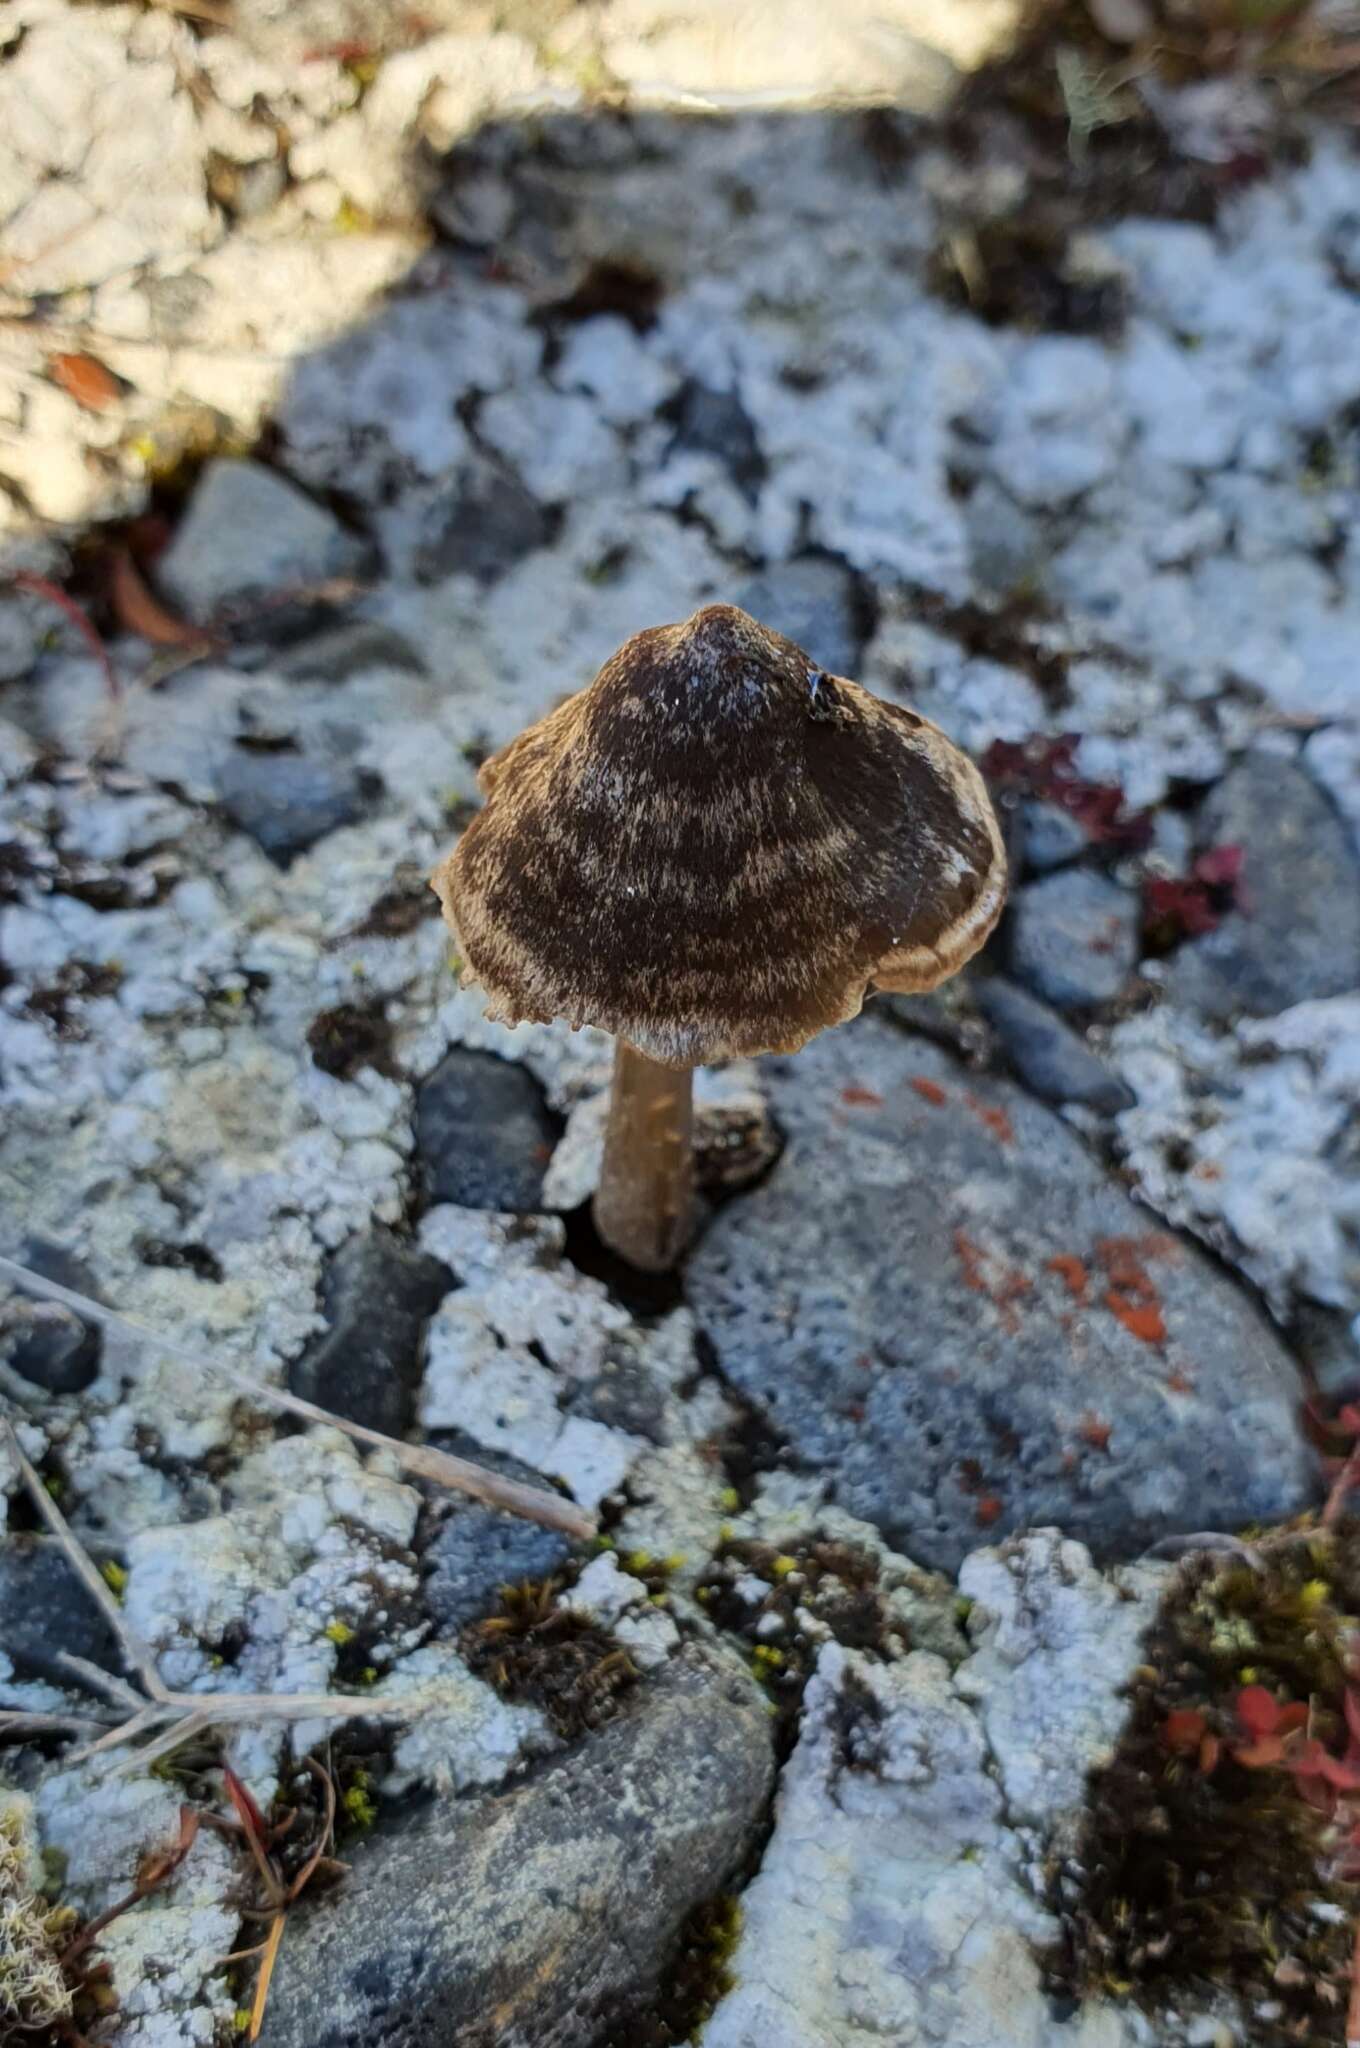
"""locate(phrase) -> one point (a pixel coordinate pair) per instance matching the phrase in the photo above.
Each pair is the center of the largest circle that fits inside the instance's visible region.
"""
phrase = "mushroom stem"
(643, 1203)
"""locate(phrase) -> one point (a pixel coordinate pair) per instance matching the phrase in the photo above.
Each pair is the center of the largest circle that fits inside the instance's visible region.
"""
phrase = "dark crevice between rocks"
(1192, 1872)
(1010, 632)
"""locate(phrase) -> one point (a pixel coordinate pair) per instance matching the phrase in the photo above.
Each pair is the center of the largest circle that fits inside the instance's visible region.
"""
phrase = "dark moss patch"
(697, 1975)
(400, 908)
(1020, 272)
(1194, 1874)
(541, 1654)
(179, 1258)
(836, 1582)
(350, 1037)
(75, 982)
(628, 290)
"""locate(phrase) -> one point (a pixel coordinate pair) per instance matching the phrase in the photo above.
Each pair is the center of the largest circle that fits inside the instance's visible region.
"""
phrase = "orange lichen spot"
(970, 1258)
(992, 1118)
(1095, 1431)
(1208, 1169)
(1072, 1272)
(1142, 1319)
(989, 1509)
(861, 1098)
(85, 379)
(1178, 1382)
(929, 1091)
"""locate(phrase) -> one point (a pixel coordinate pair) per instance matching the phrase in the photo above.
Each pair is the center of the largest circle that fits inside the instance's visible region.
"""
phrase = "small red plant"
(1045, 768)
(1188, 906)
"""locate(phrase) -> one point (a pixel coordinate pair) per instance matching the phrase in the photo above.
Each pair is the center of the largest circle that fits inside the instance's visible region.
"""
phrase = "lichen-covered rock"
(944, 1305)
(894, 1899)
(377, 1296)
(545, 1904)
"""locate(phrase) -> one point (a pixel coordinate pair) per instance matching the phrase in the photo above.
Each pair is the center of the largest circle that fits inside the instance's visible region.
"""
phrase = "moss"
(696, 1976)
(835, 1582)
(535, 1651)
(1193, 1873)
(35, 1997)
(114, 1576)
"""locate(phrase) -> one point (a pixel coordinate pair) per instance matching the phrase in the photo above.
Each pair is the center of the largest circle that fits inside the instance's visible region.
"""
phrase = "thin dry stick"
(187, 1713)
(530, 1502)
(137, 1653)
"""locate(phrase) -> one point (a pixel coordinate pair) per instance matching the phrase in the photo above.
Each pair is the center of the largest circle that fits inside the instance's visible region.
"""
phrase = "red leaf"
(137, 611)
(1336, 1771)
(1210, 1750)
(861, 1098)
(1257, 1710)
(929, 1091)
(1220, 867)
(1256, 1755)
(247, 1812)
(1295, 1715)
(1184, 1729)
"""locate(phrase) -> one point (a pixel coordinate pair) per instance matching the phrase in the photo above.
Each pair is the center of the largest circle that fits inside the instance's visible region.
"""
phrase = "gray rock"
(1298, 934)
(490, 523)
(717, 423)
(1051, 837)
(484, 1133)
(942, 1303)
(44, 1609)
(287, 801)
(1052, 1060)
(49, 1346)
(523, 1919)
(478, 1551)
(811, 601)
(1074, 937)
(377, 1294)
(248, 532)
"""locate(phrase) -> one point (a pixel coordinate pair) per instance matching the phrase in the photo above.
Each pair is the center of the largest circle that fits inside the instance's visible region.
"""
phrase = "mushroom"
(714, 850)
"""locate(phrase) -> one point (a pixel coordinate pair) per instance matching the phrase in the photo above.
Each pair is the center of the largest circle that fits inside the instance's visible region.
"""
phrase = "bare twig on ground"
(173, 1717)
(532, 1503)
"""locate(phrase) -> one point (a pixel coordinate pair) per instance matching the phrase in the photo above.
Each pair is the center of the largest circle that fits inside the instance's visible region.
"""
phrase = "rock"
(811, 600)
(490, 523)
(717, 423)
(49, 1346)
(1052, 1060)
(893, 1902)
(546, 1906)
(248, 533)
(484, 1133)
(377, 1294)
(478, 1551)
(943, 1305)
(287, 801)
(1297, 935)
(44, 1609)
(1051, 837)
(1074, 937)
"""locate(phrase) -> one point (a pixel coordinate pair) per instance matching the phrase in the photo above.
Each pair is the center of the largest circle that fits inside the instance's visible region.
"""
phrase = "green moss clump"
(1193, 1873)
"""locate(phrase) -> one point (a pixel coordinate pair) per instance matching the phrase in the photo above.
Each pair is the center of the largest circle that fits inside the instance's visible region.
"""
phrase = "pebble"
(1074, 937)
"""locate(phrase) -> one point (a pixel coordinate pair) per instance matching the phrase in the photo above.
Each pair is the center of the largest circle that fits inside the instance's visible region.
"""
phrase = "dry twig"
(533, 1503)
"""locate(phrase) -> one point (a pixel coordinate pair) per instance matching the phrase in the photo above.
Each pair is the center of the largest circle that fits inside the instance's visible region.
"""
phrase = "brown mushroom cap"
(716, 850)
